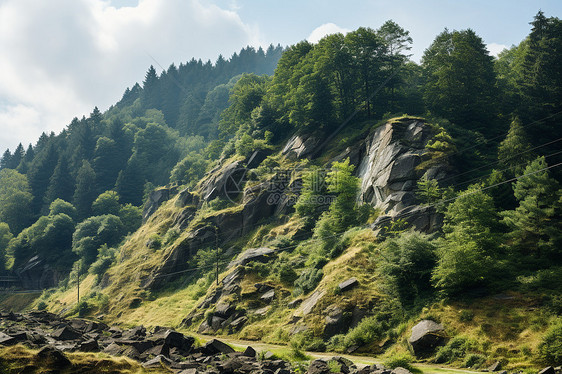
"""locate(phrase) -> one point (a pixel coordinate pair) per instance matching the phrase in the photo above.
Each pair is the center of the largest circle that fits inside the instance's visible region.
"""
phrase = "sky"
(60, 58)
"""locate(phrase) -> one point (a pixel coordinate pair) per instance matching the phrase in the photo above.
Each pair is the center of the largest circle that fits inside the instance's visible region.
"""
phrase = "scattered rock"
(157, 362)
(547, 370)
(215, 346)
(262, 254)
(426, 335)
(249, 352)
(66, 333)
(309, 304)
(319, 367)
(51, 358)
(268, 296)
(496, 366)
(400, 370)
(348, 284)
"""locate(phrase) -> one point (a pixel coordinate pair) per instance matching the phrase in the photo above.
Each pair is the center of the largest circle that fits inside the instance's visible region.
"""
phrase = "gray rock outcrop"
(389, 173)
(426, 336)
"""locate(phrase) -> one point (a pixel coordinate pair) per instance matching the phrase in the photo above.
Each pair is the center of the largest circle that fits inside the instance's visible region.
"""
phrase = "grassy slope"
(500, 328)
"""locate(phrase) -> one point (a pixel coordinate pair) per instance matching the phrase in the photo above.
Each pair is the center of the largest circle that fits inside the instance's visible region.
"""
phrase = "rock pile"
(161, 348)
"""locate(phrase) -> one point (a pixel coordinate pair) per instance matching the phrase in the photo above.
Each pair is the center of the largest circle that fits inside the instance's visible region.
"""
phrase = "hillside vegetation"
(328, 196)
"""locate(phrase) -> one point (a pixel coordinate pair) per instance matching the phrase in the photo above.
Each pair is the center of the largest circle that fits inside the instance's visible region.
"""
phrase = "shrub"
(41, 305)
(407, 262)
(474, 361)
(466, 316)
(550, 348)
(402, 360)
(287, 274)
(306, 341)
(455, 349)
(370, 329)
(308, 280)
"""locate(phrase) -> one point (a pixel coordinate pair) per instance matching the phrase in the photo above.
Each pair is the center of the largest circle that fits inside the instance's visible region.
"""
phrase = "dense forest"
(73, 198)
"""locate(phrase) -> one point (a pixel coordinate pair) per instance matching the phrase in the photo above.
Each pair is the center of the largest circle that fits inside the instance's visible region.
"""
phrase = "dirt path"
(360, 361)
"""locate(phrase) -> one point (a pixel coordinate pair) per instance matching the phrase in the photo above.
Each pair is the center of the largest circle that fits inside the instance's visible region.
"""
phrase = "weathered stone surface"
(388, 170)
(7, 339)
(262, 254)
(225, 309)
(89, 346)
(337, 321)
(185, 197)
(268, 296)
(51, 358)
(309, 304)
(400, 370)
(300, 146)
(496, 366)
(319, 367)
(36, 274)
(155, 199)
(249, 352)
(348, 284)
(426, 335)
(224, 181)
(215, 346)
(66, 333)
(157, 362)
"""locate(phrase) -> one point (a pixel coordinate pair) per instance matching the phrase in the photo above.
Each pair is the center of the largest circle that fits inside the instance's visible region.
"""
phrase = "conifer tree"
(536, 226)
(85, 192)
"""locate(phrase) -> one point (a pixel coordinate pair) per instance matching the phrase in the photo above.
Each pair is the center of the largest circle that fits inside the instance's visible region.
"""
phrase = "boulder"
(319, 367)
(426, 336)
(400, 370)
(224, 181)
(348, 284)
(66, 333)
(7, 339)
(214, 346)
(268, 296)
(174, 339)
(89, 346)
(224, 309)
(51, 358)
(337, 321)
(249, 352)
(309, 304)
(157, 363)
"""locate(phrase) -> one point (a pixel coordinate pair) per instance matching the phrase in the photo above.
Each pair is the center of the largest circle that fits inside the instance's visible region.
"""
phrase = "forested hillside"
(326, 195)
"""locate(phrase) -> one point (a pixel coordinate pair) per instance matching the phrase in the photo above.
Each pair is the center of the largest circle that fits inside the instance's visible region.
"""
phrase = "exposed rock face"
(426, 335)
(155, 200)
(35, 274)
(388, 171)
(224, 182)
(300, 146)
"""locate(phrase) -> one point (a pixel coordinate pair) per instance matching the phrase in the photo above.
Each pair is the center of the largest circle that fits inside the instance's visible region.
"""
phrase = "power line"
(390, 218)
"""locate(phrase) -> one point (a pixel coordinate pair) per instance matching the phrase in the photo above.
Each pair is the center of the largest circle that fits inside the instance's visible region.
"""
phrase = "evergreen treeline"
(501, 114)
(128, 150)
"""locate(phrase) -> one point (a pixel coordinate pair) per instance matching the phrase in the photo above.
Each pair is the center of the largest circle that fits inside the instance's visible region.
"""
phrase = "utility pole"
(78, 286)
(217, 253)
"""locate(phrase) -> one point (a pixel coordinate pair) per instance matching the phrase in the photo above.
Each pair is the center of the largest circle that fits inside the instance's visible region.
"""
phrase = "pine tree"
(535, 224)
(150, 96)
(61, 184)
(39, 174)
(85, 192)
(515, 150)
(130, 183)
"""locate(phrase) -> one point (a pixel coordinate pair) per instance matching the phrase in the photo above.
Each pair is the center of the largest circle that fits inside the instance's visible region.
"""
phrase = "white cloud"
(325, 29)
(495, 48)
(63, 57)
